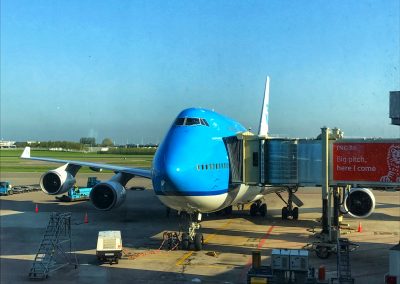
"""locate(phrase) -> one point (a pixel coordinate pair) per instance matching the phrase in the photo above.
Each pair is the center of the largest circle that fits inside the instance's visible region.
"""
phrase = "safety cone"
(359, 227)
(36, 209)
(86, 220)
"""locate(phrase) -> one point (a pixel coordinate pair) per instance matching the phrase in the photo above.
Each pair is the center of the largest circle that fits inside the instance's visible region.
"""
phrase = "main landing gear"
(258, 207)
(289, 210)
(190, 236)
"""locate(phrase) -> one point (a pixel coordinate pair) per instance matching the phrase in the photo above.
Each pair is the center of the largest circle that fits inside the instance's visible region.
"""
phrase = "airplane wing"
(129, 171)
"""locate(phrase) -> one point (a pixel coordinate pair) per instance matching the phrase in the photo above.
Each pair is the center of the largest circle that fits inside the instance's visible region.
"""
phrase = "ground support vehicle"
(109, 246)
(6, 188)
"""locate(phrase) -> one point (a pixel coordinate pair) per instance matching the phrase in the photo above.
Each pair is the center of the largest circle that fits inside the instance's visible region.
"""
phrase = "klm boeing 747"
(193, 171)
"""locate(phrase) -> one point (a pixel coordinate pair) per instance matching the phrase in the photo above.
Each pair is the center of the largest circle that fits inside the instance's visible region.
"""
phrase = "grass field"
(10, 161)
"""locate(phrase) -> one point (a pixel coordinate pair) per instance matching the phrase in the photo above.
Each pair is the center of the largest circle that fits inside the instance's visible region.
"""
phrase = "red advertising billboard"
(374, 162)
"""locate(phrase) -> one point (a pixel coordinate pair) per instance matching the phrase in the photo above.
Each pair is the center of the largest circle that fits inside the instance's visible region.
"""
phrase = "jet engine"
(57, 181)
(359, 202)
(107, 195)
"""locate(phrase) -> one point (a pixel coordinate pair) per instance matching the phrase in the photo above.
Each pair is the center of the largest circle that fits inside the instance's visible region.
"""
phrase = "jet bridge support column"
(325, 180)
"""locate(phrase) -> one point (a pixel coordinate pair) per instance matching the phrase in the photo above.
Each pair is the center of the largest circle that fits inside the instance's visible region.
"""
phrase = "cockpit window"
(179, 121)
(203, 121)
(191, 121)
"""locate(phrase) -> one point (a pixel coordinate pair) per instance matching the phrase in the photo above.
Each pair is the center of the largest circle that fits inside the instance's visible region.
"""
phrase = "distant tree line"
(89, 141)
(86, 142)
(52, 144)
(130, 151)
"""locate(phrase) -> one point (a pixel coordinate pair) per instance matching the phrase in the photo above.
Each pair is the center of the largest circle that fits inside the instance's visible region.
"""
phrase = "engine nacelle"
(107, 195)
(56, 181)
(359, 202)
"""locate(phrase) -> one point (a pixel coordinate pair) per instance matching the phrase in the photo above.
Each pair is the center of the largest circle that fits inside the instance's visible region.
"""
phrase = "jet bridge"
(258, 160)
(341, 167)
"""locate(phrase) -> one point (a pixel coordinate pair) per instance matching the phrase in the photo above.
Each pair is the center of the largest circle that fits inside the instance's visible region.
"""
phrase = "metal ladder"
(55, 250)
(343, 261)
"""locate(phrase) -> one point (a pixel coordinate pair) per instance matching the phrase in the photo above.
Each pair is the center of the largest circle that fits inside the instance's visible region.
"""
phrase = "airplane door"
(234, 147)
(251, 160)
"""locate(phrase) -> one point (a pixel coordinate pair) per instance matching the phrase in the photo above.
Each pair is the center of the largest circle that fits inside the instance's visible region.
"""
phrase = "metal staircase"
(343, 262)
(55, 250)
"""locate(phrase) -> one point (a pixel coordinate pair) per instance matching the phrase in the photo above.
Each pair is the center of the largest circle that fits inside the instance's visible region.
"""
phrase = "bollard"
(256, 258)
(321, 273)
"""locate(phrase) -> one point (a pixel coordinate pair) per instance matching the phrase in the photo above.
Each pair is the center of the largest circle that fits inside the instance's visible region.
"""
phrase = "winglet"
(264, 128)
(27, 153)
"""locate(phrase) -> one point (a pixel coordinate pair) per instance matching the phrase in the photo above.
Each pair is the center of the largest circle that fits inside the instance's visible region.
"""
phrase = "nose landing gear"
(190, 236)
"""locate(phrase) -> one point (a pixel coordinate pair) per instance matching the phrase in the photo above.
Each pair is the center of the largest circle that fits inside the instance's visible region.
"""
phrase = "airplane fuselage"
(191, 167)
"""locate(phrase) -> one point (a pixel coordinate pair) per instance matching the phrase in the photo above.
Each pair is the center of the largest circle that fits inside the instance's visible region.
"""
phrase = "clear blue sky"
(124, 69)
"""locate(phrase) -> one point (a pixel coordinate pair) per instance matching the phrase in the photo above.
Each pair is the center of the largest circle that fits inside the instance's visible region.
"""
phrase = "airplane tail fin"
(27, 153)
(264, 128)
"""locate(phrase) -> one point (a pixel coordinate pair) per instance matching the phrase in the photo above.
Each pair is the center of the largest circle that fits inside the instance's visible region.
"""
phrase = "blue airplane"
(192, 172)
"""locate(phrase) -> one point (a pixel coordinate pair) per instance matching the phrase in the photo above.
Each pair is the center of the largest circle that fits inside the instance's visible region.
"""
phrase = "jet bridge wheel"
(286, 213)
(322, 252)
(295, 213)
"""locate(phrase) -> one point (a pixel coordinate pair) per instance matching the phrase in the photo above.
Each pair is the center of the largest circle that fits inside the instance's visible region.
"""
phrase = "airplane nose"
(176, 172)
(176, 164)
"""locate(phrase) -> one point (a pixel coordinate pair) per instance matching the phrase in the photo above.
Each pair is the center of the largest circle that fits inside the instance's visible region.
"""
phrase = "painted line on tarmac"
(262, 241)
(180, 261)
(220, 228)
(259, 246)
(183, 258)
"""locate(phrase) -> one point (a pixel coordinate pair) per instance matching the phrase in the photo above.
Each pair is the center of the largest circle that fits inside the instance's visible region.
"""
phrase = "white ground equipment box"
(280, 259)
(109, 246)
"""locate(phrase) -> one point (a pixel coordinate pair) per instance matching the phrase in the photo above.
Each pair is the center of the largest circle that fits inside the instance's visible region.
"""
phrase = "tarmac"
(142, 220)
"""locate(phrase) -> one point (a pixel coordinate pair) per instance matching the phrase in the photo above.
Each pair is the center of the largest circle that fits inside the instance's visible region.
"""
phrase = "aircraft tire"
(198, 241)
(253, 209)
(285, 213)
(263, 209)
(185, 241)
(295, 213)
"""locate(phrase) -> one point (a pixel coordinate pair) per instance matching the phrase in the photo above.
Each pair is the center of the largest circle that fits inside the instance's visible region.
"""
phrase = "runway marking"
(180, 261)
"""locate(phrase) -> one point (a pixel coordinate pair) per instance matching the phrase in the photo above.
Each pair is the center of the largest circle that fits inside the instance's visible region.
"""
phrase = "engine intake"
(56, 181)
(107, 195)
(359, 202)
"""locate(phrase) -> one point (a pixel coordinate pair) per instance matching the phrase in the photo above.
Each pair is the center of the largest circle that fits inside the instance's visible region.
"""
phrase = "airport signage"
(370, 161)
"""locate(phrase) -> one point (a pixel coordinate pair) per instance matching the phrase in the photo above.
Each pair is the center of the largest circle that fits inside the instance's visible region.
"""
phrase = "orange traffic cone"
(359, 227)
(36, 209)
(86, 220)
